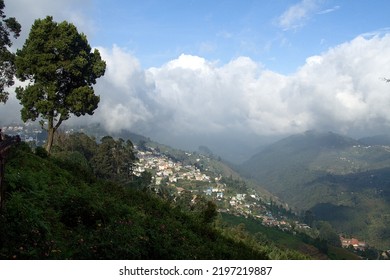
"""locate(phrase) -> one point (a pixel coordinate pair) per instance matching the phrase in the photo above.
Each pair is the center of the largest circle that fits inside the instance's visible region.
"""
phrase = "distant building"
(233, 201)
(355, 243)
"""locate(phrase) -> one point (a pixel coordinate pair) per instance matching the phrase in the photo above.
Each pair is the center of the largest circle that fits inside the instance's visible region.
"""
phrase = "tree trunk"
(50, 138)
(51, 129)
(2, 188)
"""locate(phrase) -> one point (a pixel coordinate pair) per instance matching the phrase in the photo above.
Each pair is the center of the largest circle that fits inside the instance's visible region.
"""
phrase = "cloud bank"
(190, 101)
(26, 12)
(339, 90)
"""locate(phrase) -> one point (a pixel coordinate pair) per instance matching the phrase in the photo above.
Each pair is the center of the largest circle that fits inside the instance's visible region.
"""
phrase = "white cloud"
(330, 10)
(26, 12)
(339, 90)
(124, 91)
(194, 99)
(345, 87)
(296, 15)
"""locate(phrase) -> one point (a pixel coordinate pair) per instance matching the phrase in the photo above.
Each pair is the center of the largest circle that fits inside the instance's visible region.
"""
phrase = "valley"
(293, 185)
(339, 179)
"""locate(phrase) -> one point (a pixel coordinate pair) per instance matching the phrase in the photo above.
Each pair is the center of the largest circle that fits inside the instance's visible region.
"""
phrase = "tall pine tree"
(62, 68)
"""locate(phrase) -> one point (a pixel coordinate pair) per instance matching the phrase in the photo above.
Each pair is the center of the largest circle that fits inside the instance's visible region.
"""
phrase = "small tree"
(113, 158)
(61, 68)
(7, 66)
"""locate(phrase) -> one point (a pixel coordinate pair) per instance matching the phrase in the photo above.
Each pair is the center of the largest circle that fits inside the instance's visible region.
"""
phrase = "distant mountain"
(381, 140)
(98, 131)
(338, 178)
(134, 137)
(288, 161)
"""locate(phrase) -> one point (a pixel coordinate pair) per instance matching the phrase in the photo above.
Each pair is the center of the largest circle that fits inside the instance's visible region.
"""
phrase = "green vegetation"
(289, 243)
(339, 179)
(7, 63)
(57, 207)
(61, 69)
(78, 198)
(211, 166)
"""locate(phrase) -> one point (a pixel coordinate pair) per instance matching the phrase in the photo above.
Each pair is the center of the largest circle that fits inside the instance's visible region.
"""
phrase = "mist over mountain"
(241, 113)
(337, 178)
(300, 159)
(382, 140)
(234, 107)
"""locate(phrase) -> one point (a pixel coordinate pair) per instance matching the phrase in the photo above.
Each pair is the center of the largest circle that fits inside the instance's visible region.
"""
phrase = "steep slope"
(57, 209)
(336, 177)
(288, 162)
(210, 164)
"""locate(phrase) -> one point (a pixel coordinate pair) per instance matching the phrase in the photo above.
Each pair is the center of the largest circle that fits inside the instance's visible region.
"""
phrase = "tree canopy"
(113, 157)
(7, 66)
(61, 69)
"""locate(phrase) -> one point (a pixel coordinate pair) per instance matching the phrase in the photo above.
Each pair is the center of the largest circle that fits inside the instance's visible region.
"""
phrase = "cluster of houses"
(163, 167)
(174, 173)
(353, 242)
(251, 205)
(243, 204)
(28, 132)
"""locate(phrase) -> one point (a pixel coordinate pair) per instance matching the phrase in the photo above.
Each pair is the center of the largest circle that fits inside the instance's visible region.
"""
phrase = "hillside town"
(165, 168)
(179, 177)
(28, 132)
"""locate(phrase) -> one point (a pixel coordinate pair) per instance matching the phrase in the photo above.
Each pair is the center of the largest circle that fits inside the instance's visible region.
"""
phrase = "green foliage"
(236, 184)
(110, 159)
(286, 245)
(52, 213)
(75, 142)
(7, 66)
(24, 234)
(41, 152)
(113, 158)
(336, 178)
(326, 232)
(142, 182)
(198, 206)
(69, 207)
(257, 237)
(61, 68)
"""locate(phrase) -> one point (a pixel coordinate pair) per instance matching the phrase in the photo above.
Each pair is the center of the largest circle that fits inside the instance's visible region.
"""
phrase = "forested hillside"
(73, 205)
(337, 178)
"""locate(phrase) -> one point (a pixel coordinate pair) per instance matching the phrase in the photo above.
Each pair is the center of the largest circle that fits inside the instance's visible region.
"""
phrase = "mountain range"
(325, 176)
(333, 177)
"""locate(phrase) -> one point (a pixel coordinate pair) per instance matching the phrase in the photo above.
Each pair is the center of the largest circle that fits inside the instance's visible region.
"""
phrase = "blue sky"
(230, 73)
(278, 34)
